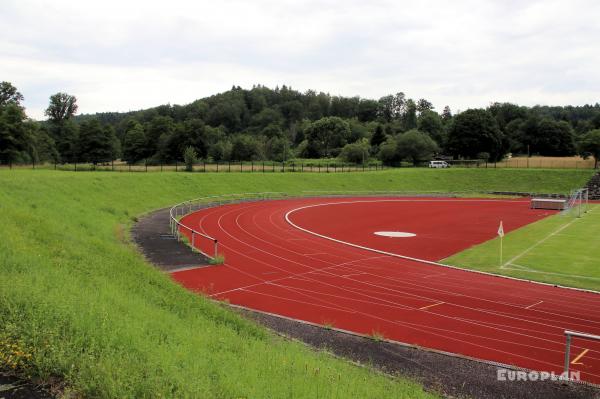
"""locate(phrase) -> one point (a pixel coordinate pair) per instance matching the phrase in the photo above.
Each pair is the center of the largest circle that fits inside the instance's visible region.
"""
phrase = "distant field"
(79, 303)
(548, 163)
(559, 250)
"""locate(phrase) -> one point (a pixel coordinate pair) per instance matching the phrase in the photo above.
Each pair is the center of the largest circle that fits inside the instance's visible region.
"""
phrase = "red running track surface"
(291, 257)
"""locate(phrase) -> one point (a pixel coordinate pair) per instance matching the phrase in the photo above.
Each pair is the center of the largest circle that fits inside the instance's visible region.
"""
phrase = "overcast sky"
(125, 55)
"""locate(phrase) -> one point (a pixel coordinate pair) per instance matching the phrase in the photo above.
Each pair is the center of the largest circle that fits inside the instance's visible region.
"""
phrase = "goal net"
(577, 204)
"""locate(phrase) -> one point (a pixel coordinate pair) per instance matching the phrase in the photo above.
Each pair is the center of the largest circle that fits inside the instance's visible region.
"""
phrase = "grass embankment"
(561, 249)
(77, 301)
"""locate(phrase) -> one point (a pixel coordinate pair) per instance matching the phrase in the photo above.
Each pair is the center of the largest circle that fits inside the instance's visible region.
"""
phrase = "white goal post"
(578, 201)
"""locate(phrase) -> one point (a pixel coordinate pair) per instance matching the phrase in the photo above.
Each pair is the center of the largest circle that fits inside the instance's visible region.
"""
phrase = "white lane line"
(530, 306)
(353, 274)
(434, 275)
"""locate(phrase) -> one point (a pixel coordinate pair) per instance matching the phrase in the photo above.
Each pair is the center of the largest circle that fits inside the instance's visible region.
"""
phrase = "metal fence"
(213, 167)
(308, 166)
(198, 240)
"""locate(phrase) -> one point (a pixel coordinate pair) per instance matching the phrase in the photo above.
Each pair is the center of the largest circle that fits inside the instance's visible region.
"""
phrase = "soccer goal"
(578, 203)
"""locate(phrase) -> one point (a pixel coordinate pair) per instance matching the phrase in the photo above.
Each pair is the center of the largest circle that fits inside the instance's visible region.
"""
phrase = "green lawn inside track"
(561, 249)
(78, 303)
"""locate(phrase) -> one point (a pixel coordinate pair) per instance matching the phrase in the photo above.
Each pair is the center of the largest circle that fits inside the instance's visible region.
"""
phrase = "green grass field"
(79, 304)
(561, 249)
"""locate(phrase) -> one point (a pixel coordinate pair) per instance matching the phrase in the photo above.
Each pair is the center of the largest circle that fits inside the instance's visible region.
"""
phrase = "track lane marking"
(582, 354)
(530, 306)
(432, 305)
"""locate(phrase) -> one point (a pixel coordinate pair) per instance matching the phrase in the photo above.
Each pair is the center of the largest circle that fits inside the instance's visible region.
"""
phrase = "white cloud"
(122, 55)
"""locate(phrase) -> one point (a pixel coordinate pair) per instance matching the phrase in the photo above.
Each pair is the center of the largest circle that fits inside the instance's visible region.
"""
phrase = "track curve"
(291, 257)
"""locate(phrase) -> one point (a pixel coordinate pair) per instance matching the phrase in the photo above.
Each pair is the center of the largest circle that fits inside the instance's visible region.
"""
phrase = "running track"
(316, 260)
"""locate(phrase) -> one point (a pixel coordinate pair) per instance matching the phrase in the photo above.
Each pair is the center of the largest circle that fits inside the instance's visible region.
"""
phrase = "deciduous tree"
(589, 145)
(9, 94)
(96, 143)
(326, 136)
(62, 106)
(475, 131)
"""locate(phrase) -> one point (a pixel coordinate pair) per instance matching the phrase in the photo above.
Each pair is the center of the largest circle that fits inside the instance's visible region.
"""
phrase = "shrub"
(190, 156)
(357, 152)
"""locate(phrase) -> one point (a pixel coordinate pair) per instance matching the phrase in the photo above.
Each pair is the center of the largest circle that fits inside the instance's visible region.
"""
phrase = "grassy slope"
(559, 250)
(87, 308)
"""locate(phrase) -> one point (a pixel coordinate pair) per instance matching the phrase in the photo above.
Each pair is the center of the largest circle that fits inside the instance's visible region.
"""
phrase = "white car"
(439, 164)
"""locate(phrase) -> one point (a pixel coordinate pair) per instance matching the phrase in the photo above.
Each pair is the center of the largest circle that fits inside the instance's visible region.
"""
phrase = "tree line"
(282, 123)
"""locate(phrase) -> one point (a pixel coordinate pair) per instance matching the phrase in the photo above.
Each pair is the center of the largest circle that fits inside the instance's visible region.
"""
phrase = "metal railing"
(178, 211)
(569, 334)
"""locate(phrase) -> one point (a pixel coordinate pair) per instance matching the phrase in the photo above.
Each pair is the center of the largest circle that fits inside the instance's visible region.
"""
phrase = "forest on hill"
(282, 123)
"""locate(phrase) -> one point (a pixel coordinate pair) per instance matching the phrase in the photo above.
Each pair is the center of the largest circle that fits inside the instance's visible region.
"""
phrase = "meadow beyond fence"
(310, 165)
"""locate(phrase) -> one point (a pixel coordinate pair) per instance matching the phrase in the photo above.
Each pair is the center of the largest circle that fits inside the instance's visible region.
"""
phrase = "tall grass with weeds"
(78, 303)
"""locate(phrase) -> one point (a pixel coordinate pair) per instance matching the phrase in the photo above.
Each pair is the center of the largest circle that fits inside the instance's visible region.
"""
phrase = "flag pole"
(501, 240)
(501, 234)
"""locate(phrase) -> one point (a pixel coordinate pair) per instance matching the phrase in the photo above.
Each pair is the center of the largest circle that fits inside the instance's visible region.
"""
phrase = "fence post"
(567, 355)
(217, 166)
(263, 166)
(273, 165)
(229, 166)
(204, 166)
(252, 166)
(146, 164)
(241, 163)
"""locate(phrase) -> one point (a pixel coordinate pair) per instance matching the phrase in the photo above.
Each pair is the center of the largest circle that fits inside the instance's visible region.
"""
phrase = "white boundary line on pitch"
(511, 262)
(287, 218)
(526, 251)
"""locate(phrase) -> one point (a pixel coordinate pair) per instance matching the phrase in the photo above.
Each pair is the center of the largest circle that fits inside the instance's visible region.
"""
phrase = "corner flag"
(501, 234)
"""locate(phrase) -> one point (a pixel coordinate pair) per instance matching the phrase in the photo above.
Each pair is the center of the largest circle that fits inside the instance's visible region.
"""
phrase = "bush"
(388, 151)
(356, 152)
(246, 148)
(190, 156)
(416, 146)
(220, 151)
